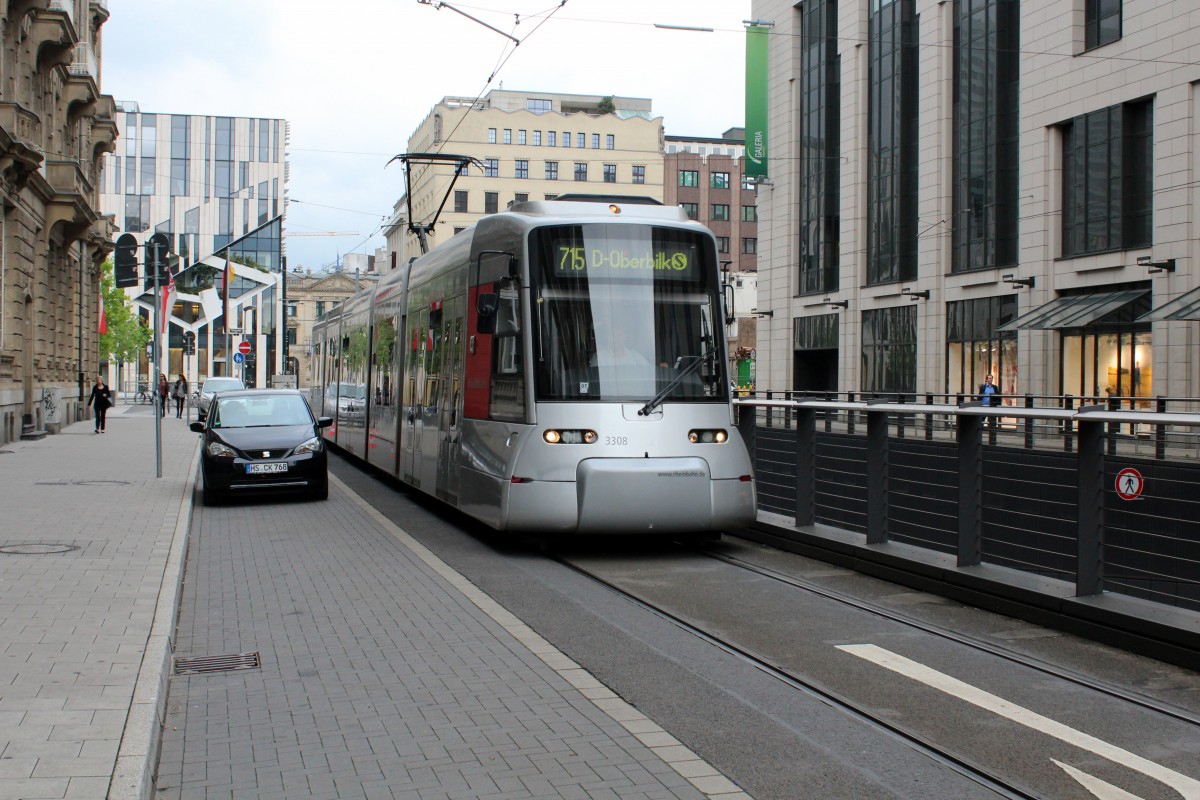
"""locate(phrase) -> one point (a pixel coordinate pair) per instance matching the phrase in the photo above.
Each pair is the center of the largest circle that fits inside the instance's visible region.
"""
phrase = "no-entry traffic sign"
(1129, 484)
(244, 348)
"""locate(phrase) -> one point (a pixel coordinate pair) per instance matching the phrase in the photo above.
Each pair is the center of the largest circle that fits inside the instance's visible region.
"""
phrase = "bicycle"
(143, 394)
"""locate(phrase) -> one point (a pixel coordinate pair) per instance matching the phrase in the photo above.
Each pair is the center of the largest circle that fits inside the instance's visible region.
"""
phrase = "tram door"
(432, 399)
(450, 405)
(414, 381)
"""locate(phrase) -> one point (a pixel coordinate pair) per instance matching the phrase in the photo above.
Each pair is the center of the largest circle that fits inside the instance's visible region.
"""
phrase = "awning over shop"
(1074, 311)
(1186, 306)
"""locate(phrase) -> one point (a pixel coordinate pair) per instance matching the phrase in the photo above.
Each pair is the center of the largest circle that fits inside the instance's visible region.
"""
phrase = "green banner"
(756, 100)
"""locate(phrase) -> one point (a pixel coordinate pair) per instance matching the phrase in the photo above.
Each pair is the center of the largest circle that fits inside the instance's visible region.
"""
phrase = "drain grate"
(225, 663)
(37, 549)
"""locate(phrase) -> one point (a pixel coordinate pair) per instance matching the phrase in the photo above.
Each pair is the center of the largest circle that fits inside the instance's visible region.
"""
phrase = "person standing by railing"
(987, 390)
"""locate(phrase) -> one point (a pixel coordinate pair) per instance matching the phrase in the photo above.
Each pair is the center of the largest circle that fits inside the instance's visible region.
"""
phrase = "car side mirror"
(324, 422)
(197, 427)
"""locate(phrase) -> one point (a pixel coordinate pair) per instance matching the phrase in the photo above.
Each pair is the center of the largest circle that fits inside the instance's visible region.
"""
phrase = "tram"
(557, 368)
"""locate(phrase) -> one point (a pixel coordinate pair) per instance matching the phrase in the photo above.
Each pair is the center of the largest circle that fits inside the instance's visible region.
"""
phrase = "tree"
(127, 334)
(606, 105)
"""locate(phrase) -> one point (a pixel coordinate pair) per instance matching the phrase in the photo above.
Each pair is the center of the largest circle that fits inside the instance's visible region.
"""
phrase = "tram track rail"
(1024, 660)
(956, 762)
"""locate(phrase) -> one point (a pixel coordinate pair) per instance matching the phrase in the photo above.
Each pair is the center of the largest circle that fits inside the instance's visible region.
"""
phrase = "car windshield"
(260, 411)
(213, 385)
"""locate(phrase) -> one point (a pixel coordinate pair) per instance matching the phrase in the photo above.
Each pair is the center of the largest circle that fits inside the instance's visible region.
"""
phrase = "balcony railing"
(84, 63)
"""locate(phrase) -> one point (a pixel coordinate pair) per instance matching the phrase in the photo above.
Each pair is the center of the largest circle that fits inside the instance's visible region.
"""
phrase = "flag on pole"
(168, 303)
(226, 285)
(103, 321)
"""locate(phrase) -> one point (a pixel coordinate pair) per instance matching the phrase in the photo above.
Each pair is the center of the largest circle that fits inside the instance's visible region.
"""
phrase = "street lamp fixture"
(768, 313)
(911, 295)
(837, 303)
(1165, 265)
(1017, 283)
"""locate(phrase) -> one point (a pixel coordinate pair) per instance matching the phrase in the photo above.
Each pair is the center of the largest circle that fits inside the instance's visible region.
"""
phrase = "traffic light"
(158, 253)
(189, 343)
(125, 271)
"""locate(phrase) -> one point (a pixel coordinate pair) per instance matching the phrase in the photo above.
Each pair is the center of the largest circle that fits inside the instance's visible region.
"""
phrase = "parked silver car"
(211, 387)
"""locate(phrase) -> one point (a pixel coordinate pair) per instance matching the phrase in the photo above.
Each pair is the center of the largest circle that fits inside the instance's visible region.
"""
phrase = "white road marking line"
(1187, 787)
(1101, 789)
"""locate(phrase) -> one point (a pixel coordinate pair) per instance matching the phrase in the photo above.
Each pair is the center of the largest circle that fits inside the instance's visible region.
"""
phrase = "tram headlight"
(708, 436)
(570, 437)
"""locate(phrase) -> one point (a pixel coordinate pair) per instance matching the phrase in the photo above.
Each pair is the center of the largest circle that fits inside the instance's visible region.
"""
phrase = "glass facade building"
(820, 147)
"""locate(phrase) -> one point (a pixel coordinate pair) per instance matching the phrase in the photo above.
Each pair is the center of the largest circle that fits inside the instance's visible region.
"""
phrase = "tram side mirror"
(727, 297)
(486, 305)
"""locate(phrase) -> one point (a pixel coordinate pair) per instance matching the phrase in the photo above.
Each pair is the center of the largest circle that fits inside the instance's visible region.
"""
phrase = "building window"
(521, 197)
(1107, 179)
(459, 229)
(508, 136)
(550, 138)
(522, 168)
(537, 138)
(460, 201)
(491, 202)
(820, 157)
(691, 209)
(892, 143)
(610, 142)
(986, 94)
(1101, 22)
(551, 196)
(720, 212)
(722, 244)
(320, 304)
(749, 246)
(749, 213)
(551, 170)
(566, 139)
(610, 173)
(520, 137)
(689, 177)
(537, 106)
(491, 136)
(889, 349)
(748, 184)
(581, 140)
(580, 171)
(137, 213)
(595, 141)
(639, 173)
(718, 180)
(975, 349)
(491, 168)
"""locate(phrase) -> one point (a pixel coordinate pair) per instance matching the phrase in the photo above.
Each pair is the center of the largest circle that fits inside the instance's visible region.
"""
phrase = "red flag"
(168, 303)
(103, 321)
(226, 285)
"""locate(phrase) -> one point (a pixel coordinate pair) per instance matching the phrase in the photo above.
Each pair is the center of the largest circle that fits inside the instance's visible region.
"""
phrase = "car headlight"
(218, 450)
(313, 445)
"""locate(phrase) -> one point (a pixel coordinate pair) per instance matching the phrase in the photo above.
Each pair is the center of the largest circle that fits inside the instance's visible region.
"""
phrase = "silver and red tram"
(557, 368)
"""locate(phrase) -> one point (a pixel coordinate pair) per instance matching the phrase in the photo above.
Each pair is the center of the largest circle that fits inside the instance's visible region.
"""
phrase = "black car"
(262, 440)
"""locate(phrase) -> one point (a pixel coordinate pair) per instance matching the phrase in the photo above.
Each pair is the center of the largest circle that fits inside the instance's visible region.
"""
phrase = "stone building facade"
(55, 126)
(309, 298)
(960, 188)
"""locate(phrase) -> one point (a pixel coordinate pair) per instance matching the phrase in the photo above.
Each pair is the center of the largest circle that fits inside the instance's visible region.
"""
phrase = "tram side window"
(508, 376)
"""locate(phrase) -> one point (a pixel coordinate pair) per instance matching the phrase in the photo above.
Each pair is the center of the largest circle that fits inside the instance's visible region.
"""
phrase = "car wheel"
(320, 491)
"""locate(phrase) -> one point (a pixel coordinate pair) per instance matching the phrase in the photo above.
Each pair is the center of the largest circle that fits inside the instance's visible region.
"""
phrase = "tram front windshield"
(621, 312)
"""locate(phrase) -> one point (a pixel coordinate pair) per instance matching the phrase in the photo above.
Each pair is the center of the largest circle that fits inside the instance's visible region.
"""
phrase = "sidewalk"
(92, 552)
(91, 547)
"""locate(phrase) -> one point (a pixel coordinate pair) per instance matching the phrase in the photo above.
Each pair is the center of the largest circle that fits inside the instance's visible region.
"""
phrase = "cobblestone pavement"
(91, 544)
(385, 674)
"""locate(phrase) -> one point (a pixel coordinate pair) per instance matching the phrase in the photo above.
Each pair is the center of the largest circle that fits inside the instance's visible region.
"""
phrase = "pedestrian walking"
(179, 392)
(164, 391)
(100, 399)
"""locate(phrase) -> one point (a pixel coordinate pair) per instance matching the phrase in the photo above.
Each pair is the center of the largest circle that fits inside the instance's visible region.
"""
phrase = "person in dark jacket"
(179, 391)
(164, 392)
(100, 399)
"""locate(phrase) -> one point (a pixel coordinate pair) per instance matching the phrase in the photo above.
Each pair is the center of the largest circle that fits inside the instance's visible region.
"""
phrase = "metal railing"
(1028, 487)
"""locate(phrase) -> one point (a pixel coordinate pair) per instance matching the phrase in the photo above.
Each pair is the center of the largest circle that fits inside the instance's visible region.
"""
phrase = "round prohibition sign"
(244, 348)
(1129, 484)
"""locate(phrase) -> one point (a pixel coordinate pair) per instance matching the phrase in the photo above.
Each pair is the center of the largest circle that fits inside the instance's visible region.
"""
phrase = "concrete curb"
(133, 775)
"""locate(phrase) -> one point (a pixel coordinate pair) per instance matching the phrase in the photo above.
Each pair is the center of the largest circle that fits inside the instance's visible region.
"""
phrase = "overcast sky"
(354, 84)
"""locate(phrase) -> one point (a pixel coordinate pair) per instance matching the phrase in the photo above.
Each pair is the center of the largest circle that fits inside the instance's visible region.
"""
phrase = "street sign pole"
(153, 247)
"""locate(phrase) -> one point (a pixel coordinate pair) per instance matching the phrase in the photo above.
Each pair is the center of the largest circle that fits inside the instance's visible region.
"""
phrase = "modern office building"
(706, 177)
(978, 187)
(55, 125)
(531, 146)
(216, 187)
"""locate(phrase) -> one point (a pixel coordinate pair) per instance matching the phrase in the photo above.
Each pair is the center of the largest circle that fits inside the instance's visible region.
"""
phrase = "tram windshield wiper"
(648, 409)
